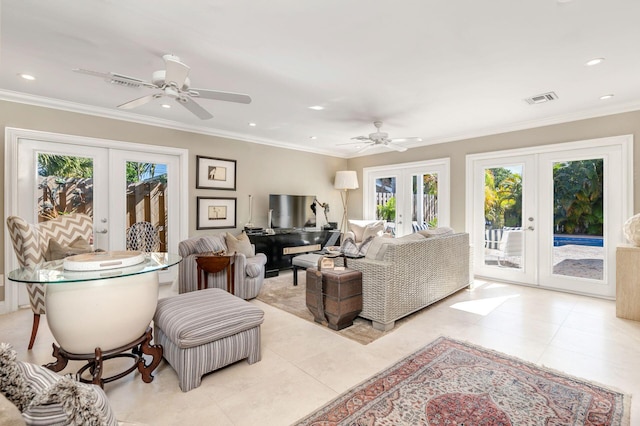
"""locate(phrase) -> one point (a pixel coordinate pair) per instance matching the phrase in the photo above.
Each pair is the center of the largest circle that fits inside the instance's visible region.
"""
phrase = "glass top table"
(98, 315)
(54, 272)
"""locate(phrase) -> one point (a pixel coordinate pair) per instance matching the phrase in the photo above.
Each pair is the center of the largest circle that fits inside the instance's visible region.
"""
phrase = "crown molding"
(532, 124)
(40, 101)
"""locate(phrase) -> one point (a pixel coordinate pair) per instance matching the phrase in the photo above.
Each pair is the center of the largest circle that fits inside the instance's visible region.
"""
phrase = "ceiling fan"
(379, 138)
(172, 82)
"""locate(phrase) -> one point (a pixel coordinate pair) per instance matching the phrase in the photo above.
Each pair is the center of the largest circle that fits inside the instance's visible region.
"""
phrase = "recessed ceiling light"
(594, 61)
(27, 76)
(165, 106)
(252, 124)
(313, 137)
(317, 107)
(604, 97)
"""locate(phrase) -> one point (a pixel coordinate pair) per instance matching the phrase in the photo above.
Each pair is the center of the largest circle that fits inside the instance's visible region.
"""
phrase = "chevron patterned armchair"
(30, 243)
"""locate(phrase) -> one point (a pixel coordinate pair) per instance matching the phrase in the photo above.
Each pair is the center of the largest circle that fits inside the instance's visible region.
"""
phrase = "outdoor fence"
(429, 205)
(145, 201)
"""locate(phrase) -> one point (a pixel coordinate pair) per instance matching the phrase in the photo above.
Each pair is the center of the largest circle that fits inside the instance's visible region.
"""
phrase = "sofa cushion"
(240, 244)
(13, 383)
(436, 232)
(379, 245)
(211, 243)
(51, 399)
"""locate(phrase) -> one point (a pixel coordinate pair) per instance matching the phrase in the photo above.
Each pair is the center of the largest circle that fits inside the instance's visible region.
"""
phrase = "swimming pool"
(587, 240)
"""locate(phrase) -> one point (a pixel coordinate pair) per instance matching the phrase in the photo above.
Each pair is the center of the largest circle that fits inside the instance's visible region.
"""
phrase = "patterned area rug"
(454, 383)
(280, 292)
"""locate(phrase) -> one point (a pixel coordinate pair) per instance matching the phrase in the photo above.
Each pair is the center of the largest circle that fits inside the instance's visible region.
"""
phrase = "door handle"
(530, 228)
(102, 231)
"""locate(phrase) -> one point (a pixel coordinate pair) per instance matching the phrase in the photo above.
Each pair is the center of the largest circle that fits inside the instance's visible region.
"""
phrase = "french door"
(116, 183)
(408, 194)
(552, 216)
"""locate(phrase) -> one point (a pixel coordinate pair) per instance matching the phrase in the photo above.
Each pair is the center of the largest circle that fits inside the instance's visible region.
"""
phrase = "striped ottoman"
(204, 330)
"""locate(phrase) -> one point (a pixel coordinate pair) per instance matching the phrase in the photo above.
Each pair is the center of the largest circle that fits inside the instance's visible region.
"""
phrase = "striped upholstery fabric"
(205, 330)
(419, 226)
(248, 271)
(41, 379)
(30, 242)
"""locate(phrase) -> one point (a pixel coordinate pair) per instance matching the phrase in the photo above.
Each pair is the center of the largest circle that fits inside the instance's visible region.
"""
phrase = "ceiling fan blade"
(406, 139)
(365, 148)
(115, 78)
(217, 95)
(176, 71)
(395, 147)
(192, 106)
(350, 143)
(361, 138)
(137, 102)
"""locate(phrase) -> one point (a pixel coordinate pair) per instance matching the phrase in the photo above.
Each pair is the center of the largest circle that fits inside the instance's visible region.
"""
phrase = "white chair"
(511, 248)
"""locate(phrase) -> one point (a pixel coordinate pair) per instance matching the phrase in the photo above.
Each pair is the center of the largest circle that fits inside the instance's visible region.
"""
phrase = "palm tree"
(65, 166)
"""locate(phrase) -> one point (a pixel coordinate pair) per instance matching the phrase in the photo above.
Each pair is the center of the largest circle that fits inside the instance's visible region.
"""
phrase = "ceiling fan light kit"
(172, 82)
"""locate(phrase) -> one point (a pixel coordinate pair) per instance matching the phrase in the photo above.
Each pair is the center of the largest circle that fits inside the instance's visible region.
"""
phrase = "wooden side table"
(211, 265)
(334, 296)
(628, 282)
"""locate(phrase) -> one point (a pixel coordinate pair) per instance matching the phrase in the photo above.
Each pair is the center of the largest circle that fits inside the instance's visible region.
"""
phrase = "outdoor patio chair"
(511, 248)
(143, 236)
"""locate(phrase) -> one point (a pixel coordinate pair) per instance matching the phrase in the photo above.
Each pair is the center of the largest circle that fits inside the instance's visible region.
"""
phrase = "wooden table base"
(95, 361)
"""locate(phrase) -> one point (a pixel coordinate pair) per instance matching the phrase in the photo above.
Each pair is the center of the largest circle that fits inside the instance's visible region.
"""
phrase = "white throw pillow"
(358, 228)
(240, 244)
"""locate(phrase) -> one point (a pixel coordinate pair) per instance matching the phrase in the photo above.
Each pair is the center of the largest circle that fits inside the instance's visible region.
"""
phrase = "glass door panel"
(146, 200)
(504, 219)
(385, 202)
(503, 241)
(578, 217)
(64, 185)
(424, 200)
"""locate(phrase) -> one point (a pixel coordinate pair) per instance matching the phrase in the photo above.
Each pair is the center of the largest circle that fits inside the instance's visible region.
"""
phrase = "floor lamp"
(345, 180)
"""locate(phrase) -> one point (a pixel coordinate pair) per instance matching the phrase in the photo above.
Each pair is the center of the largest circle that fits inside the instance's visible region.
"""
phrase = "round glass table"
(95, 315)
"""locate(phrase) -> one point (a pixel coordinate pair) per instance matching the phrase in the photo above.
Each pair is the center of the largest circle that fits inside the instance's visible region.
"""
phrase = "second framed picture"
(215, 173)
(215, 213)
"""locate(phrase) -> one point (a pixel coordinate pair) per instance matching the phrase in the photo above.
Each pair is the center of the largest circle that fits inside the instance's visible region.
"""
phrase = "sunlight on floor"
(483, 306)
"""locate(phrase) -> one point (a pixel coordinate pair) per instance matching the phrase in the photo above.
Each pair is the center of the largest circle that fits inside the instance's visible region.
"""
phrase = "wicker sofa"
(403, 275)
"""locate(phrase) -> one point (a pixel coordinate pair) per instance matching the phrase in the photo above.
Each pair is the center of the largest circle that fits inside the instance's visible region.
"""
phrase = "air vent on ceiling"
(545, 97)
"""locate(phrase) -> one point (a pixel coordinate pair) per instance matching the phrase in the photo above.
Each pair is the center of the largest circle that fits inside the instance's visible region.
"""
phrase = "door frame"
(402, 172)
(12, 138)
(624, 142)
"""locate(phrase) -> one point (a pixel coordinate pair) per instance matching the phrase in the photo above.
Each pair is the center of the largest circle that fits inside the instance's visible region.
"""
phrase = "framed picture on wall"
(215, 173)
(215, 213)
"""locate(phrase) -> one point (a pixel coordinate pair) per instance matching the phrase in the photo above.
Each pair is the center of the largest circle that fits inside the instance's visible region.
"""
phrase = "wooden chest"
(334, 296)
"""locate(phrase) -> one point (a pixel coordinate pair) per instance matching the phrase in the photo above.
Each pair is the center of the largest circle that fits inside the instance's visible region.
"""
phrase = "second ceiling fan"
(379, 138)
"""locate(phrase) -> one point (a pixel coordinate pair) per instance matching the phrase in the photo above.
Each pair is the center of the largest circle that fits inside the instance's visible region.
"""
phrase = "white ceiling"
(439, 70)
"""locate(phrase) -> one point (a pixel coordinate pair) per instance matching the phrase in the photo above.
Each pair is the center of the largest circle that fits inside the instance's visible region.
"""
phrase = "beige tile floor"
(305, 365)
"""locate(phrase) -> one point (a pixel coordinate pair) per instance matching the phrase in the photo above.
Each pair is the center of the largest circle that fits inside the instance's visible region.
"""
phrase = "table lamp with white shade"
(345, 180)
